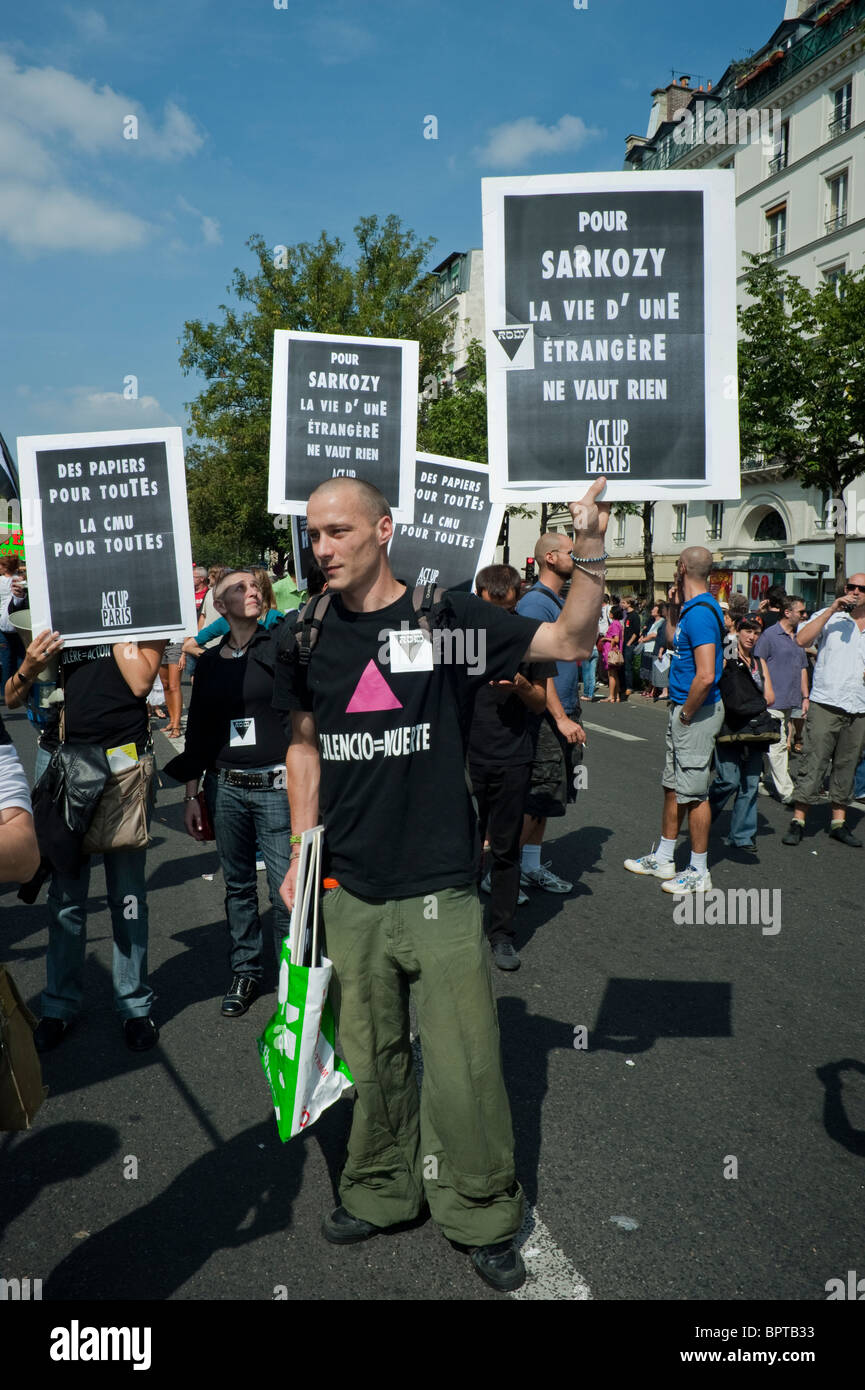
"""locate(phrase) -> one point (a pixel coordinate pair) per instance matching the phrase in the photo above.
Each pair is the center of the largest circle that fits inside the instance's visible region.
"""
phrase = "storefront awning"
(764, 563)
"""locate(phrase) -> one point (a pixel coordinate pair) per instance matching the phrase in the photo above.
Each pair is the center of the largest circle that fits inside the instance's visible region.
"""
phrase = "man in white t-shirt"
(834, 733)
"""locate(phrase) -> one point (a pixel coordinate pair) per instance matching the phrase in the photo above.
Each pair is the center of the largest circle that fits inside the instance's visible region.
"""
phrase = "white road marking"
(550, 1272)
(614, 733)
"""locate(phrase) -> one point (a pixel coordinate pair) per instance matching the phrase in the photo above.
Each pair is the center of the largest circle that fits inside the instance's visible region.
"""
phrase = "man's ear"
(384, 529)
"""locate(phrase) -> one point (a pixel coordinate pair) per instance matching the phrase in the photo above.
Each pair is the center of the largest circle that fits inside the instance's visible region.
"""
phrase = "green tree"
(452, 417)
(382, 293)
(802, 382)
(646, 511)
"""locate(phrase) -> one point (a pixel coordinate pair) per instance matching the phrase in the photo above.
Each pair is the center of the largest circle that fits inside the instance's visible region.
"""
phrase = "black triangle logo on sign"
(242, 726)
(511, 339)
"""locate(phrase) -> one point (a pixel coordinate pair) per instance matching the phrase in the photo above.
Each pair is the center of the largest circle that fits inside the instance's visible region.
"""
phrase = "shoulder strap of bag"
(718, 620)
(429, 602)
(308, 629)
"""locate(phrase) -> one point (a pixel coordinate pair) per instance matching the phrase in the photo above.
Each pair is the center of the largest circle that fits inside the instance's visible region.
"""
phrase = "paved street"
(710, 1048)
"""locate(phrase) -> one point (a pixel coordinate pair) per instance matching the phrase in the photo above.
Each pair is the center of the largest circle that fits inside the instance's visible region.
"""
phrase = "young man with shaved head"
(695, 631)
(377, 756)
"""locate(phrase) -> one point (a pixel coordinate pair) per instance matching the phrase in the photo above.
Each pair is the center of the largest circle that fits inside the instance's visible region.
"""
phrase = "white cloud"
(80, 408)
(54, 104)
(52, 218)
(339, 41)
(516, 142)
(90, 24)
(49, 118)
(209, 225)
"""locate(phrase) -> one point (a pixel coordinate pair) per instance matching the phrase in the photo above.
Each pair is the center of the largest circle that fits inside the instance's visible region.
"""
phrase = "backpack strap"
(298, 644)
(428, 603)
(718, 620)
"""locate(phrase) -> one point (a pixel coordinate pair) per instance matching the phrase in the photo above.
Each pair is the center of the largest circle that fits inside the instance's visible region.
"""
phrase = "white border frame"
(40, 601)
(723, 482)
(403, 509)
(497, 511)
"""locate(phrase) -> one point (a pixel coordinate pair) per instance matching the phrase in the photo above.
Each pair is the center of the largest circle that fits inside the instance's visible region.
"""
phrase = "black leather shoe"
(341, 1228)
(49, 1033)
(505, 956)
(794, 834)
(140, 1034)
(500, 1266)
(842, 834)
(243, 992)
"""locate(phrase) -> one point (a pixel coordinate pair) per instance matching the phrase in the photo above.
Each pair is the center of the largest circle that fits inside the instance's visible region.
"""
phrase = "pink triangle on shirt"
(372, 692)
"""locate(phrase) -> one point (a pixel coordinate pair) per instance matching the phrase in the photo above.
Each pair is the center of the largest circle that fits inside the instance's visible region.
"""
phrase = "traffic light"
(530, 569)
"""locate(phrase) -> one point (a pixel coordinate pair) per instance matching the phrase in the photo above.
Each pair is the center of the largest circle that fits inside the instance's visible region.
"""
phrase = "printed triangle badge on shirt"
(242, 733)
(372, 692)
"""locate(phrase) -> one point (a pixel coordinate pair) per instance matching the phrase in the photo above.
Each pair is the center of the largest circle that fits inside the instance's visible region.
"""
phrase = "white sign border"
(277, 504)
(723, 480)
(28, 446)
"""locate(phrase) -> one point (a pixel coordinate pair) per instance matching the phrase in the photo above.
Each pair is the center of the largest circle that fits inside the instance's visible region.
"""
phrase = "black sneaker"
(842, 834)
(500, 1266)
(794, 834)
(244, 991)
(341, 1228)
(140, 1034)
(505, 956)
(49, 1033)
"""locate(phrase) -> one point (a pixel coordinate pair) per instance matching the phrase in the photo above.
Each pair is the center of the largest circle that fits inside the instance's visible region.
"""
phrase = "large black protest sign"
(611, 351)
(455, 525)
(113, 558)
(342, 407)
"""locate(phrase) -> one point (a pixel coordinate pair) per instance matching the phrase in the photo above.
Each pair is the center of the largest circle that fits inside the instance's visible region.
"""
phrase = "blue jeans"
(859, 784)
(241, 818)
(737, 772)
(588, 671)
(125, 878)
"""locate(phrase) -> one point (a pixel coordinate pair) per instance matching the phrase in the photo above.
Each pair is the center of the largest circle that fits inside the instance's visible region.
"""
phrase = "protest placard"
(342, 407)
(610, 305)
(110, 556)
(301, 550)
(455, 525)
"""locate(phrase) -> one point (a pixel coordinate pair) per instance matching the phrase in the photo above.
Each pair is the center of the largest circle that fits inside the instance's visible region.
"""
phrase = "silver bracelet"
(593, 574)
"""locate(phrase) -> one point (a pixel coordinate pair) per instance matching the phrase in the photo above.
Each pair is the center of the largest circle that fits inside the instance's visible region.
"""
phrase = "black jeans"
(501, 791)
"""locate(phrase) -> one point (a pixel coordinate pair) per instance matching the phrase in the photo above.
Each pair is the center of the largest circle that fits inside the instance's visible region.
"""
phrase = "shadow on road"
(838, 1126)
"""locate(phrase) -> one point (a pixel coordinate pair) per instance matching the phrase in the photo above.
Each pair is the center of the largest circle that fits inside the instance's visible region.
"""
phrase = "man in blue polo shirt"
(695, 632)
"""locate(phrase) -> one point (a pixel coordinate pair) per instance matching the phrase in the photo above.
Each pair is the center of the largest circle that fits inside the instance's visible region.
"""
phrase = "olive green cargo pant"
(455, 1146)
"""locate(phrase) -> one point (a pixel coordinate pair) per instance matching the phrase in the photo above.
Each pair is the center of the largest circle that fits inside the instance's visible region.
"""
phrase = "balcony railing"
(834, 224)
(778, 244)
(755, 94)
(839, 124)
(778, 163)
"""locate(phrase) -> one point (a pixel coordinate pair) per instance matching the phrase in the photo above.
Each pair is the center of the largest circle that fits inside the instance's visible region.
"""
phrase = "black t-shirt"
(632, 627)
(392, 736)
(504, 729)
(231, 721)
(5, 736)
(100, 707)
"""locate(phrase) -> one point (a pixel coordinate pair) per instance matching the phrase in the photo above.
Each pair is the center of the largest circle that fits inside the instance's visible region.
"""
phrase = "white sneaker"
(763, 789)
(543, 878)
(651, 864)
(487, 887)
(691, 881)
(260, 866)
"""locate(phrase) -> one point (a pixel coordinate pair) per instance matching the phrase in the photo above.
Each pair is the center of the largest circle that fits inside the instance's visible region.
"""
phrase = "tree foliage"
(452, 419)
(802, 381)
(382, 293)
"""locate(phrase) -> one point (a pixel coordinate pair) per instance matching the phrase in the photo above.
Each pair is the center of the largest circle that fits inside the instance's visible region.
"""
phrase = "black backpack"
(746, 714)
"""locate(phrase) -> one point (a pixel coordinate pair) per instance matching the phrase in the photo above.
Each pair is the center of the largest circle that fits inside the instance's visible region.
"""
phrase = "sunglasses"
(857, 588)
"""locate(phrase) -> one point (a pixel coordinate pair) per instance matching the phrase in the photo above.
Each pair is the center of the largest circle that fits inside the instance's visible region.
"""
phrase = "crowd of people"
(307, 718)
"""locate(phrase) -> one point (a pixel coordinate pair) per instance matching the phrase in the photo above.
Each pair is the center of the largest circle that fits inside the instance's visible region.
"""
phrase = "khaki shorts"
(690, 749)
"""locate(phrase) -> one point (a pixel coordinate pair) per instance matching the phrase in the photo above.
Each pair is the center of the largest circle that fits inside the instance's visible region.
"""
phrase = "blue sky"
(283, 122)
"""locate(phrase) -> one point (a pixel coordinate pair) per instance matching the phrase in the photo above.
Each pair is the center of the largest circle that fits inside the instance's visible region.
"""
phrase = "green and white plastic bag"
(297, 1046)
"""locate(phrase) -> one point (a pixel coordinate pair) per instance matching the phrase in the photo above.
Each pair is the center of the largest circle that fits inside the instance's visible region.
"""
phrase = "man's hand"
(590, 517)
(192, 819)
(288, 887)
(570, 731)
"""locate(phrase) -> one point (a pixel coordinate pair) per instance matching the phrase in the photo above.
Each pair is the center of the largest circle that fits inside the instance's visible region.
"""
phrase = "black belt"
(261, 781)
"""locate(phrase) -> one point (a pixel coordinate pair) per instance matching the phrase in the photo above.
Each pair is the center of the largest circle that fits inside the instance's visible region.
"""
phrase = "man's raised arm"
(572, 636)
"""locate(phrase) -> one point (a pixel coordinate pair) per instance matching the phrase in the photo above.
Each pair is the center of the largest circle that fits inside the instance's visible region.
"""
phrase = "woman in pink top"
(612, 642)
